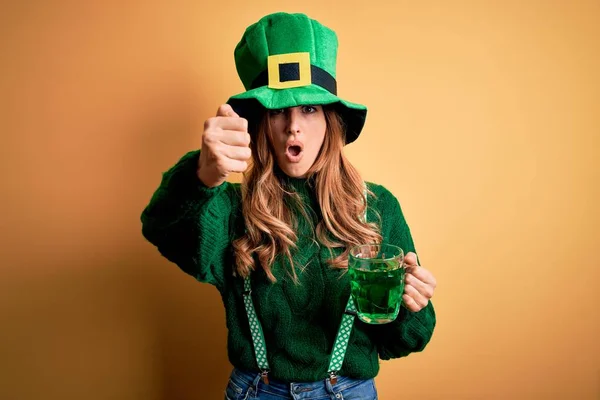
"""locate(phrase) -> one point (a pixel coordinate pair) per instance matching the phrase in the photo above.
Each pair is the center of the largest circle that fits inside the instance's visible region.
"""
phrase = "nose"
(293, 120)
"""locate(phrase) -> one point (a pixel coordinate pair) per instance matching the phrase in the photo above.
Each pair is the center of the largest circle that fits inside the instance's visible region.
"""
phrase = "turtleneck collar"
(305, 187)
(300, 185)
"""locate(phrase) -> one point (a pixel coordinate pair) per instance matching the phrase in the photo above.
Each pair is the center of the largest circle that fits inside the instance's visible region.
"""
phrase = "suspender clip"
(332, 377)
(265, 376)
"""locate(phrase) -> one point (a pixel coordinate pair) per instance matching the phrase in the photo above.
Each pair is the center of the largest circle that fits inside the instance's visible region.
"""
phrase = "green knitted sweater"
(193, 226)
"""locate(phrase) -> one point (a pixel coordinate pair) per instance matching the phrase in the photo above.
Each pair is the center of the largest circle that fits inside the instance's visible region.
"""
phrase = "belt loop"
(329, 387)
(256, 379)
(254, 387)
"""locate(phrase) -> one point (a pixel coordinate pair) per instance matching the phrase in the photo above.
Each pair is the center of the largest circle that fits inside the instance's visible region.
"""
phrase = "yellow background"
(484, 121)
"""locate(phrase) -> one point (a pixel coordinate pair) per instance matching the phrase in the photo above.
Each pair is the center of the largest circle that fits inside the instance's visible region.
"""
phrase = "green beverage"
(377, 282)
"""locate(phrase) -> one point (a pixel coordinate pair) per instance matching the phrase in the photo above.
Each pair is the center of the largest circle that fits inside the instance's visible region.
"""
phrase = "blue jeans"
(244, 385)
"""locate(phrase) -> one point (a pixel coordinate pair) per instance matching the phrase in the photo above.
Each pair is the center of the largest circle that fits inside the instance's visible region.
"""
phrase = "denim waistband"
(279, 387)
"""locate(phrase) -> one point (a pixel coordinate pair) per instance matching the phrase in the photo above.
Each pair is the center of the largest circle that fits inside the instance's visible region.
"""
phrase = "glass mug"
(377, 281)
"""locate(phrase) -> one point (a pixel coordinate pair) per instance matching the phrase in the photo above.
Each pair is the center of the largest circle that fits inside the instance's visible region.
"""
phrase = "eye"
(276, 112)
(309, 109)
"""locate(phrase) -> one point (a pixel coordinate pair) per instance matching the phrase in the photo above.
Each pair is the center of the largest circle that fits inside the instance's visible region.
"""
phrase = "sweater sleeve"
(190, 223)
(411, 331)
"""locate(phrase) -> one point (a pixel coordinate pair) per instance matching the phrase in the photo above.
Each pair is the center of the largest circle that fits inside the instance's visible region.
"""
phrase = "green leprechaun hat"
(287, 60)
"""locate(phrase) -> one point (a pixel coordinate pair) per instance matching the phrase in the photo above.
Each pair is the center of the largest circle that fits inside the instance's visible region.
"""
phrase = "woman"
(276, 246)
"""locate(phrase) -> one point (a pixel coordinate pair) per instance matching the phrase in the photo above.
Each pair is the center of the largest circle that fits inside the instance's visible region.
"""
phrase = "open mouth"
(294, 150)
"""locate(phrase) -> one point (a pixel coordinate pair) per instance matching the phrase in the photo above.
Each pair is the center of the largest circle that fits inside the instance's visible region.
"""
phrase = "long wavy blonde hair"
(268, 206)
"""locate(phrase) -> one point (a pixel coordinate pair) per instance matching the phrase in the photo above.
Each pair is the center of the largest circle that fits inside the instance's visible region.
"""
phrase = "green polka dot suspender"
(339, 347)
(341, 341)
(258, 338)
